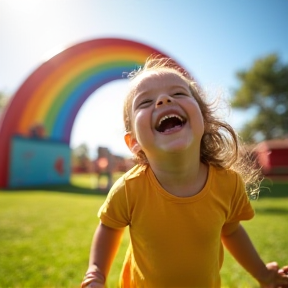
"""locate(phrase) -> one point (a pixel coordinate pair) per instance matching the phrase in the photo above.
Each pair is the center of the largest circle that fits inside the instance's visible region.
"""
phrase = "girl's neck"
(181, 176)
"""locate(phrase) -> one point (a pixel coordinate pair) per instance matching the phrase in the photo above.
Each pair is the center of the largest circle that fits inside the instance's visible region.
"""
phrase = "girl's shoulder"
(228, 178)
(224, 172)
(135, 171)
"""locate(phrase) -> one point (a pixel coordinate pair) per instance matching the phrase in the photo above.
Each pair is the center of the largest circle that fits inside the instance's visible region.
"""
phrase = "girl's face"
(165, 116)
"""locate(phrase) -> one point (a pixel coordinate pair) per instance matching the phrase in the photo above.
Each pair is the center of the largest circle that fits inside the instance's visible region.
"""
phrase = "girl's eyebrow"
(140, 94)
(186, 87)
(180, 85)
(176, 86)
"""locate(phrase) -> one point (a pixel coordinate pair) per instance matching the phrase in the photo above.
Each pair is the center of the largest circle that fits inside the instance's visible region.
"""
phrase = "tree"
(80, 158)
(3, 101)
(264, 87)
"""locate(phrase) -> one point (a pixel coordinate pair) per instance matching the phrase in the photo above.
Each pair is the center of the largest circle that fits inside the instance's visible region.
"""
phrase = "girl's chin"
(175, 147)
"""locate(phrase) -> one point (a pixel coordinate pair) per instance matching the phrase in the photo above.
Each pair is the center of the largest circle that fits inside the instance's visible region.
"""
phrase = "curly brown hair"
(220, 144)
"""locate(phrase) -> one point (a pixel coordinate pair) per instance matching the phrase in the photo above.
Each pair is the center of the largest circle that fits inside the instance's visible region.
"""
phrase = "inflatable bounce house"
(35, 127)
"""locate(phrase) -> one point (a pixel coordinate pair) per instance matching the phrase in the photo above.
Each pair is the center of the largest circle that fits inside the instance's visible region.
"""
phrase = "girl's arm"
(104, 246)
(240, 246)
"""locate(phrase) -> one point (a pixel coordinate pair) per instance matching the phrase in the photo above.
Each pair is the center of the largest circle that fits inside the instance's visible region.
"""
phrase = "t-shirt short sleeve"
(114, 211)
(240, 208)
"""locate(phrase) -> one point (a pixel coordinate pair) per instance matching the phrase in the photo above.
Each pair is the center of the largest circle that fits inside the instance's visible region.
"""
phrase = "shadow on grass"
(273, 188)
(65, 188)
(274, 211)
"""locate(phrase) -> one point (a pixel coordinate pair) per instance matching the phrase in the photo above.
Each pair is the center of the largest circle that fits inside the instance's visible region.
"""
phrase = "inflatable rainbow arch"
(53, 94)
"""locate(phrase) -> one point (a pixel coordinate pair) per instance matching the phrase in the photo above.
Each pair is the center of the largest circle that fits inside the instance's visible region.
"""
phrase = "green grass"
(91, 180)
(45, 236)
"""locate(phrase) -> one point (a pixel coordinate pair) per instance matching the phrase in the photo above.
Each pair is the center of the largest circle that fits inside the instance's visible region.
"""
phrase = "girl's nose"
(163, 99)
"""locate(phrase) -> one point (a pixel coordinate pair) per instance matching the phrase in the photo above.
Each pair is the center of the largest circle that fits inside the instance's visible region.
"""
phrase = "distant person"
(104, 163)
(185, 199)
(37, 131)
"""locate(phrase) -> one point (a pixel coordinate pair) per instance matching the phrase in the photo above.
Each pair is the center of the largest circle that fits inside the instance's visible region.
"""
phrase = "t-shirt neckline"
(173, 198)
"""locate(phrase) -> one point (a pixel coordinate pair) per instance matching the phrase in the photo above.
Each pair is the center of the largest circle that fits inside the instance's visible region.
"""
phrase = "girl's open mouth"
(170, 122)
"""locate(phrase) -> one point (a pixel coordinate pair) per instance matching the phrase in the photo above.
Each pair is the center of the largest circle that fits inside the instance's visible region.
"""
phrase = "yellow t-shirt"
(175, 241)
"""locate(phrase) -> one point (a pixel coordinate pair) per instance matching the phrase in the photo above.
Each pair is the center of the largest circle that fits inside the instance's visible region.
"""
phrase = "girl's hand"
(93, 279)
(95, 285)
(284, 273)
(276, 278)
(283, 270)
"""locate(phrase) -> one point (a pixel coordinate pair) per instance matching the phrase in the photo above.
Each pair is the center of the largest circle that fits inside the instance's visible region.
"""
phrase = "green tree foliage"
(80, 158)
(264, 87)
(3, 101)
(81, 151)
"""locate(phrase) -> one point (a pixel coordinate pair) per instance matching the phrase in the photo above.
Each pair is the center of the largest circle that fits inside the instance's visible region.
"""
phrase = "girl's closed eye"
(179, 94)
(144, 103)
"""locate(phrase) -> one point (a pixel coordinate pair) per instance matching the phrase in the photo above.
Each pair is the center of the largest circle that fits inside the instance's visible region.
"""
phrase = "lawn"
(45, 236)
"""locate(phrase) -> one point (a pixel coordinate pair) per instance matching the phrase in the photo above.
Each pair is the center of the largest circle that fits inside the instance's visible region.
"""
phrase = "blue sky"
(212, 39)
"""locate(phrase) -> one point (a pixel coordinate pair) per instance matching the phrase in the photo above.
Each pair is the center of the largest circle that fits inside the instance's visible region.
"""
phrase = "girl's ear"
(132, 143)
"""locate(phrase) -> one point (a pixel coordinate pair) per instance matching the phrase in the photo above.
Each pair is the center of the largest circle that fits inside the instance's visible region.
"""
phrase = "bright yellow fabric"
(175, 242)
